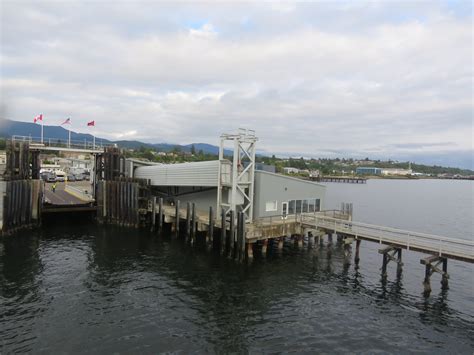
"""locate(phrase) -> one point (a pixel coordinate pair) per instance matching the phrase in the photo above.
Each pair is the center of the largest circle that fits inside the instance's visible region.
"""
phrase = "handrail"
(428, 242)
(394, 230)
(64, 143)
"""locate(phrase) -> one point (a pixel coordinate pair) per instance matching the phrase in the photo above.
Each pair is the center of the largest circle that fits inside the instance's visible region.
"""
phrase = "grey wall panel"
(274, 187)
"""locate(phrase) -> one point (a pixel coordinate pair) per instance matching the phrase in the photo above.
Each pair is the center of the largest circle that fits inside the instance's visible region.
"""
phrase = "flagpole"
(69, 142)
(41, 130)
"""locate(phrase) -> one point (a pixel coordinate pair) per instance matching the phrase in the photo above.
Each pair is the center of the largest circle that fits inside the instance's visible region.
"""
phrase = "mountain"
(9, 128)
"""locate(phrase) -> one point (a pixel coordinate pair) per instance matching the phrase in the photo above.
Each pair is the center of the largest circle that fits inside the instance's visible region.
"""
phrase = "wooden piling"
(280, 243)
(244, 239)
(444, 275)
(210, 230)
(356, 257)
(193, 223)
(223, 231)
(153, 213)
(188, 220)
(176, 213)
(160, 215)
(231, 233)
(264, 247)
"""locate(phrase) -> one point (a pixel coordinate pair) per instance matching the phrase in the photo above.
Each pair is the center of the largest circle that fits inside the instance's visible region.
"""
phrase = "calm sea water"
(82, 288)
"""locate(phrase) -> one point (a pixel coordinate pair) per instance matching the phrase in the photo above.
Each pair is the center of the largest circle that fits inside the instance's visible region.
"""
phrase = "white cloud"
(311, 79)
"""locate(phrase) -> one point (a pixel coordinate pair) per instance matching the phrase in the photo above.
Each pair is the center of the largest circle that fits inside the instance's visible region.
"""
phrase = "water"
(87, 288)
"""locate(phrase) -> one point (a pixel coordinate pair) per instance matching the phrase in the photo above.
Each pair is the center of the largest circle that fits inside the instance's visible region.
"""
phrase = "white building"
(395, 171)
(289, 170)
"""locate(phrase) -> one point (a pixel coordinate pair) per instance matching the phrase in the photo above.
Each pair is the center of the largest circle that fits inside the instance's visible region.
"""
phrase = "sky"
(377, 79)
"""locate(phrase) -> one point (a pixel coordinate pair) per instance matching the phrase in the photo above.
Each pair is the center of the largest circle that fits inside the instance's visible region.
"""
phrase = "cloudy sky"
(338, 78)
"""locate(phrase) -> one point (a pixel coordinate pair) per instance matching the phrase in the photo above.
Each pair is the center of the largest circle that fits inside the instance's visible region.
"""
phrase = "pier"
(340, 179)
(240, 240)
(230, 208)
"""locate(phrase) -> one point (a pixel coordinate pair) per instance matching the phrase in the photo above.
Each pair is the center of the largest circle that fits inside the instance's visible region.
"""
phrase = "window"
(311, 205)
(271, 206)
(318, 205)
(298, 206)
(291, 207)
(305, 206)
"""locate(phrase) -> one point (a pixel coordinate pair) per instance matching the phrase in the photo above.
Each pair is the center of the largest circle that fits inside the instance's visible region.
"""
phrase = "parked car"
(60, 176)
(71, 177)
(51, 177)
(80, 177)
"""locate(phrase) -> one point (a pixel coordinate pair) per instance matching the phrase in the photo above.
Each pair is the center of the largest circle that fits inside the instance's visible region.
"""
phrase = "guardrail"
(298, 217)
(63, 143)
(442, 246)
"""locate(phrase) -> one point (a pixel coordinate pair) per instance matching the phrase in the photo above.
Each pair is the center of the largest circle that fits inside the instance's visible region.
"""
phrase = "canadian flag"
(38, 118)
(91, 123)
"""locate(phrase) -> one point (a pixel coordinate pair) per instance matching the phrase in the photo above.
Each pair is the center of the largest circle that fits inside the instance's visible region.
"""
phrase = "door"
(284, 210)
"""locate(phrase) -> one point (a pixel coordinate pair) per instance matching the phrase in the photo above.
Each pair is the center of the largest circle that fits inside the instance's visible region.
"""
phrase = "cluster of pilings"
(225, 234)
(122, 201)
(20, 190)
(393, 254)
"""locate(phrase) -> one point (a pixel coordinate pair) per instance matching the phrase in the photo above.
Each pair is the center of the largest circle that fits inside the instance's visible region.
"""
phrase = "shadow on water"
(136, 291)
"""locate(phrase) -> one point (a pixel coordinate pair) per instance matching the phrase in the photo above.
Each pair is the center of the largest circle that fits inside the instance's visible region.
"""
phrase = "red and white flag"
(38, 118)
(91, 123)
(68, 121)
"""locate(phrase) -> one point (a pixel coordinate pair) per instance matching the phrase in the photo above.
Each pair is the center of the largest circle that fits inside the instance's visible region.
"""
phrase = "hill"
(9, 128)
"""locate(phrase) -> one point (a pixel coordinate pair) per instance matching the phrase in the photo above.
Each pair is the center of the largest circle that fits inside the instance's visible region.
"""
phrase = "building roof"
(289, 178)
(205, 173)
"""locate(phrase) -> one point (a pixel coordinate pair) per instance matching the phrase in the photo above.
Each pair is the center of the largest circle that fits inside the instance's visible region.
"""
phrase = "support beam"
(188, 220)
(231, 233)
(223, 231)
(193, 223)
(264, 247)
(391, 253)
(160, 216)
(176, 213)
(153, 213)
(210, 230)
(357, 251)
(432, 265)
(280, 243)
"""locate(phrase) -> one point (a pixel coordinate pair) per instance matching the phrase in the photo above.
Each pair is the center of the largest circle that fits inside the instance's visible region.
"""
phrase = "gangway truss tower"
(236, 194)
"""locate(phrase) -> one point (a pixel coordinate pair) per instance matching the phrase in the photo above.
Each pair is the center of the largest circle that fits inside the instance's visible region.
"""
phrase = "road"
(61, 197)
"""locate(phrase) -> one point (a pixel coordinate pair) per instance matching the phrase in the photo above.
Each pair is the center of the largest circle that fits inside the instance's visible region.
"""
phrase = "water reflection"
(112, 289)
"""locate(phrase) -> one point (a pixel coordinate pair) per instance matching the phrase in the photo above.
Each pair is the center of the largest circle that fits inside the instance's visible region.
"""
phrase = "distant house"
(289, 170)
(364, 170)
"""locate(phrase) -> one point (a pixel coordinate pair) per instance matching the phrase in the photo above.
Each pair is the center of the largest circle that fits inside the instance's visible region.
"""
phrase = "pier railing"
(442, 246)
(63, 143)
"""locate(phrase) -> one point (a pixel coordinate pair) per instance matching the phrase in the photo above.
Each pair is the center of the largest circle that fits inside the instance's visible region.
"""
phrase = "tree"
(193, 150)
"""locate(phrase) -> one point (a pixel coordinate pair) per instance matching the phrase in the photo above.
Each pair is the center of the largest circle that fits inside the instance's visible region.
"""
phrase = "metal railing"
(387, 235)
(297, 218)
(63, 143)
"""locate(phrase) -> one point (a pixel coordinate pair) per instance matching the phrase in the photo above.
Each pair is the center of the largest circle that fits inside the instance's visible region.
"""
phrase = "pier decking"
(341, 179)
(444, 247)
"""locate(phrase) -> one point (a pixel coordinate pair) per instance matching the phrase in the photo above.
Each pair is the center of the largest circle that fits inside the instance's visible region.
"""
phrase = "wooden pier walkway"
(444, 247)
(340, 179)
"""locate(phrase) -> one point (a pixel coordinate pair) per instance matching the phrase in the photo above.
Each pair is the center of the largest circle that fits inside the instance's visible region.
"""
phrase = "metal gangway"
(86, 146)
(444, 247)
